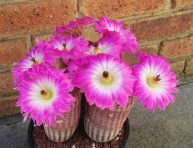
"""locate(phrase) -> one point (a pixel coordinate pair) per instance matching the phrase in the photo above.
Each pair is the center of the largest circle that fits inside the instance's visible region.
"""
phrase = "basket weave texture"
(104, 125)
(64, 128)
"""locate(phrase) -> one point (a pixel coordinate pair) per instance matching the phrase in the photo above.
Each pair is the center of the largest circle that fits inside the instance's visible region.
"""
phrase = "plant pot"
(79, 138)
(104, 125)
(37, 137)
(64, 128)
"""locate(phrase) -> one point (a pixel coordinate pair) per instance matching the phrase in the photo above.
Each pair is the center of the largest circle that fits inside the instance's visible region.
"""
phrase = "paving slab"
(13, 132)
(172, 128)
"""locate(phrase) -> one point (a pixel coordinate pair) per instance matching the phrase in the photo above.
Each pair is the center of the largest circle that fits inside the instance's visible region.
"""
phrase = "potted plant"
(95, 68)
(110, 85)
(46, 94)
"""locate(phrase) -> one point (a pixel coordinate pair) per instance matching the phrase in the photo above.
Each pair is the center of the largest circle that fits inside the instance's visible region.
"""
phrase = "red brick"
(178, 67)
(35, 16)
(182, 4)
(162, 27)
(189, 67)
(6, 83)
(150, 49)
(41, 37)
(7, 106)
(11, 1)
(177, 48)
(11, 51)
(119, 8)
(131, 59)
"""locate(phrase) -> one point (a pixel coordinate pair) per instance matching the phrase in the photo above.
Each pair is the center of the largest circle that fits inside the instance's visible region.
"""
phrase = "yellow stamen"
(153, 81)
(106, 78)
(96, 50)
(46, 94)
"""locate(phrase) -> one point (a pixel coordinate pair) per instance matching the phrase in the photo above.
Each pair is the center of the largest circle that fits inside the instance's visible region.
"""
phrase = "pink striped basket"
(104, 125)
(64, 128)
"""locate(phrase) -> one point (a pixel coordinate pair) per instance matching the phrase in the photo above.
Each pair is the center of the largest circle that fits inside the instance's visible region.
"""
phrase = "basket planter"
(64, 128)
(37, 138)
(104, 125)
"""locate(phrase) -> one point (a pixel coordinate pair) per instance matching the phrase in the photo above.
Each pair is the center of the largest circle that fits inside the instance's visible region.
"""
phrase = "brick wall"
(163, 27)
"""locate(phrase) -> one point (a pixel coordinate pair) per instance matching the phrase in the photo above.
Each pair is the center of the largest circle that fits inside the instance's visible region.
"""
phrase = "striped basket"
(64, 128)
(104, 125)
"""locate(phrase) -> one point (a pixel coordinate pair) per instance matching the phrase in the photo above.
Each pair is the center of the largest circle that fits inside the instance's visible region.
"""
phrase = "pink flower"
(105, 81)
(45, 95)
(74, 28)
(74, 65)
(42, 53)
(70, 47)
(155, 82)
(110, 44)
(129, 41)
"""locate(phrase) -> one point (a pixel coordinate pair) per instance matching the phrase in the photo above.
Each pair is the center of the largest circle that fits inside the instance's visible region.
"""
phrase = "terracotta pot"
(104, 125)
(64, 128)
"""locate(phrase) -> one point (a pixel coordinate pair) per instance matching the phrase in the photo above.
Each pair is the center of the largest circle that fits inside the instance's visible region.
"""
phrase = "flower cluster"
(96, 68)
(44, 90)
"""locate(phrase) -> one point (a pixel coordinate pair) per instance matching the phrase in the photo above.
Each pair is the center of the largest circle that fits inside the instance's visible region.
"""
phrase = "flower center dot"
(105, 74)
(152, 82)
(46, 94)
(106, 78)
(34, 61)
(64, 45)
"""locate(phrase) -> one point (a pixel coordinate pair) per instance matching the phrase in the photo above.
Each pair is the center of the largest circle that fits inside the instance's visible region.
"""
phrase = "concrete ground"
(170, 129)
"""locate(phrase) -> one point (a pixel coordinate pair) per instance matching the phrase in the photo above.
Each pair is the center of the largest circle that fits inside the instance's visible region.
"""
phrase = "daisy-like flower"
(105, 81)
(155, 82)
(39, 54)
(74, 28)
(110, 43)
(70, 47)
(128, 39)
(45, 95)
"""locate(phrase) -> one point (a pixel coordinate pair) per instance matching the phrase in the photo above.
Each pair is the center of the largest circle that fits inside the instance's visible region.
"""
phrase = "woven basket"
(104, 125)
(64, 128)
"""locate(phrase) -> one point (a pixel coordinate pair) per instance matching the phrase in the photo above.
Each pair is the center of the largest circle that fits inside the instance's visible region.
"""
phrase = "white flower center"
(35, 62)
(64, 46)
(106, 77)
(60, 46)
(43, 93)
